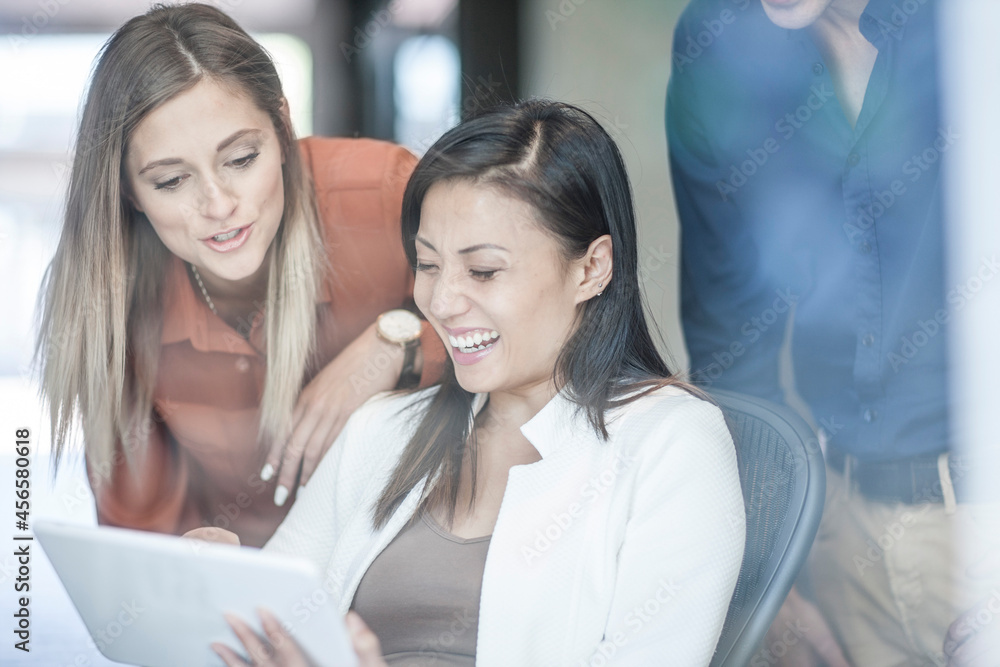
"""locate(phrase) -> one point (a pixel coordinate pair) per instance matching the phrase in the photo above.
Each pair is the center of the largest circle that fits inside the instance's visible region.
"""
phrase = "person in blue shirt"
(806, 145)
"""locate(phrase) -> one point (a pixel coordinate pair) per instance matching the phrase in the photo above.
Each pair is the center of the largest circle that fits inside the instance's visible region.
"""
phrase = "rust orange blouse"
(201, 466)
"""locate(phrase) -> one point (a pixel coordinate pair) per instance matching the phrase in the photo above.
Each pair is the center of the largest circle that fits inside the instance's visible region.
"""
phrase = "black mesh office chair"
(784, 482)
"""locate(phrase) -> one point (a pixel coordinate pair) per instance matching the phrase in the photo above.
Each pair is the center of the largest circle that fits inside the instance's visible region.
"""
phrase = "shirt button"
(868, 340)
(817, 68)
(853, 159)
(864, 249)
(242, 365)
(869, 415)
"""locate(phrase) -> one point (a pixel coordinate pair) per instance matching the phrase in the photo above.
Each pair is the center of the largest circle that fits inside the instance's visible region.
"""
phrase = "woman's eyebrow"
(235, 136)
(238, 134)
(482, 246)
(464, 251)
(159, 163)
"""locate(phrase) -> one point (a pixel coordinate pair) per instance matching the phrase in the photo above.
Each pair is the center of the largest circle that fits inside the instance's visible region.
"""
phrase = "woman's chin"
(473, 382)
(475, 387)
(246, 270)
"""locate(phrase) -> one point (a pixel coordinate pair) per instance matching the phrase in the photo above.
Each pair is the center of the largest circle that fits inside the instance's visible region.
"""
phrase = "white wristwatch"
(401, 327)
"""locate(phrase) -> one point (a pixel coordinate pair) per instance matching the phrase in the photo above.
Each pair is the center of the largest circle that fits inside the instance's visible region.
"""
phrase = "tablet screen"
(158, 600)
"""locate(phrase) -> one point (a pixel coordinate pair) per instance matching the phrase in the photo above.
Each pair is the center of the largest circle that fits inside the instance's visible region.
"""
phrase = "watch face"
(399, 326)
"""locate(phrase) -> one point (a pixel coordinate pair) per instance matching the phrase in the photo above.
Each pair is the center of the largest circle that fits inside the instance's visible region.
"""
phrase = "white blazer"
(623, 551)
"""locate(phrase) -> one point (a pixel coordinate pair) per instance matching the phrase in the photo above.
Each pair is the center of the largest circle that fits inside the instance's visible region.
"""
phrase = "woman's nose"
(218, 202)
(448, 300)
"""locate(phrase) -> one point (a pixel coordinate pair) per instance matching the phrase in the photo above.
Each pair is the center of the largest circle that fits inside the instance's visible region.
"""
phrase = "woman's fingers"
(324, 406)
(275, 649)
(273, 460)
(319, 444)
(228, 655)
(286, 650)
(259, 652)
(213, 534)
(291, 457)
(366, 644)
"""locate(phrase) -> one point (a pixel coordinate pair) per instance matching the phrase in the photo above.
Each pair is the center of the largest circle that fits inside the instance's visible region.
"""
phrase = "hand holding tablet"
(276, 649)
(182, 591)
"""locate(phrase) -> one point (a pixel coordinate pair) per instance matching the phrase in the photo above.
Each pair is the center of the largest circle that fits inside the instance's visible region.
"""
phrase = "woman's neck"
(512, 409)
(251, 289)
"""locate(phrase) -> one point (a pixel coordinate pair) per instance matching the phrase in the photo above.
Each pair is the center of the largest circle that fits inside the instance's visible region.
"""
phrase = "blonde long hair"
(101, 318)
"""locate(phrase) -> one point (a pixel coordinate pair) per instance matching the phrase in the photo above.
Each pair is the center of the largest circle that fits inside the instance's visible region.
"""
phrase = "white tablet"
(157, 600)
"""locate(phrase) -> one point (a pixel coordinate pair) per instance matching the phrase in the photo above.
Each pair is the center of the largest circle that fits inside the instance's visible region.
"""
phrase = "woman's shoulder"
(669, 417)
(338, 163)
(669, 402)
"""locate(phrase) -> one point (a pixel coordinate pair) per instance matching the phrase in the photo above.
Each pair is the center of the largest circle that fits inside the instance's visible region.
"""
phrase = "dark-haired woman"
(560, 498)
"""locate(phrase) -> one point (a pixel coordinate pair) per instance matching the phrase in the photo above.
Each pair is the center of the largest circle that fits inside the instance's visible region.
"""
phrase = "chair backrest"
(784, 482)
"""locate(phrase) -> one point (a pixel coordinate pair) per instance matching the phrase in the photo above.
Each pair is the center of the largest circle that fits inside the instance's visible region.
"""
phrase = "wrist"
(401, 330)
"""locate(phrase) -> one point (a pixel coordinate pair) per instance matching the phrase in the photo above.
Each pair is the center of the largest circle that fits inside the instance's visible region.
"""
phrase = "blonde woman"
(210, 313)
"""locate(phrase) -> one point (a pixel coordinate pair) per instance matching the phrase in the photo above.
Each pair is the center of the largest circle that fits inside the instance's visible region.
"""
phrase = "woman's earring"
(599, 286)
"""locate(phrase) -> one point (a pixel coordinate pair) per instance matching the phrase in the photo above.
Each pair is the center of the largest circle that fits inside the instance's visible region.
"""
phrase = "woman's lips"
(469, 358)
(471, 345)
(230, 244)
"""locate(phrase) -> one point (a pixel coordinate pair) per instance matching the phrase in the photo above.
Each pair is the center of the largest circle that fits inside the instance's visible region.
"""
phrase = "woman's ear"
(598, 267)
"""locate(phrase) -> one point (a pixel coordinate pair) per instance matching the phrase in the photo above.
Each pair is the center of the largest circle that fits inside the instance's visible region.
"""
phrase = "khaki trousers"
(890, 579)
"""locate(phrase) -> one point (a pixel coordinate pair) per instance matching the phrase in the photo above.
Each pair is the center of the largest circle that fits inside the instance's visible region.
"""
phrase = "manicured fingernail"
(267, 472)
(280, 495)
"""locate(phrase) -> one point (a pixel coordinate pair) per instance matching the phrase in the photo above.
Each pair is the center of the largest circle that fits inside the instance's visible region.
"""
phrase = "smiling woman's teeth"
(477, 341)
(225, 237)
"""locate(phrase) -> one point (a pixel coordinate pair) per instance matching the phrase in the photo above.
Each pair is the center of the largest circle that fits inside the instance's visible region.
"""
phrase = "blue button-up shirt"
(794, 223)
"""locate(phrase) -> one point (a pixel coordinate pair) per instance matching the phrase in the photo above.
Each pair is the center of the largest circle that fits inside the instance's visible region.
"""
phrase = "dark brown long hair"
(557, 158)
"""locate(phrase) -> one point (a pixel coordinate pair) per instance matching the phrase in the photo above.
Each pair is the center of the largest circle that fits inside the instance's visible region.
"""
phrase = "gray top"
(421, 596)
